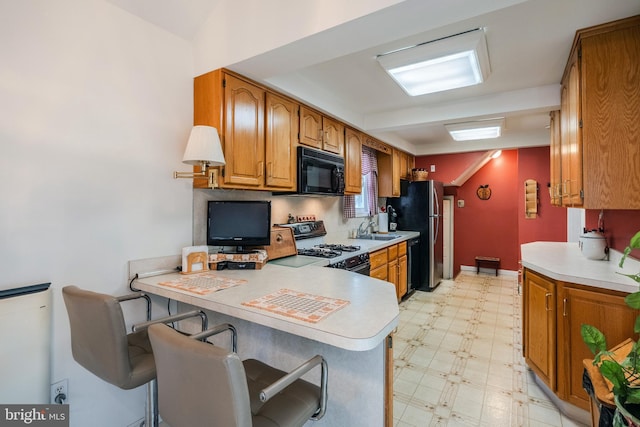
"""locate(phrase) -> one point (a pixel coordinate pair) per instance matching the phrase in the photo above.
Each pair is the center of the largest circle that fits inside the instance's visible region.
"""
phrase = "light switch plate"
(461, 203)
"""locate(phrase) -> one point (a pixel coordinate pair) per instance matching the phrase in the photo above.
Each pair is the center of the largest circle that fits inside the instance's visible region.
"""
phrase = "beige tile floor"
(457, 359)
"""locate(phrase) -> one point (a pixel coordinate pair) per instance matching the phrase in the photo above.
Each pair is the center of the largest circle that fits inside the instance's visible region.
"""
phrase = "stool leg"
(151, 407)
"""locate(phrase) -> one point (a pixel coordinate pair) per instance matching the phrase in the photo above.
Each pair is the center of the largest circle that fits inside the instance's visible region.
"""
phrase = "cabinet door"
(353, 162)
(310, 128)
(243, 134)
(540, 326)
(404, 168)
(610, 83)
(280, 143)
(389, 174)
(402, 276)
(571, 136)
(392, 275)
(606, 311)
(555, 157)
(333, 136)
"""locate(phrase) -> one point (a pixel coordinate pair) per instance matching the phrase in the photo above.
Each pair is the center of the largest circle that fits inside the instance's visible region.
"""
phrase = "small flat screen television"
(239, 223)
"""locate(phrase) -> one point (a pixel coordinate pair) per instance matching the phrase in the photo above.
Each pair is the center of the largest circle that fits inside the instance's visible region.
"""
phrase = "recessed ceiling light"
(448, 63)
(481, 129)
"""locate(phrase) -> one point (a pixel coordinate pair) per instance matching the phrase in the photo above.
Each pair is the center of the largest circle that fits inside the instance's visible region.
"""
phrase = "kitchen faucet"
(370, 224)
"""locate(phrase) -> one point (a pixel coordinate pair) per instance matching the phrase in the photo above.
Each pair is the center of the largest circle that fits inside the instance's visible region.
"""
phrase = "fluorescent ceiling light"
(448, 63)
(482, 129)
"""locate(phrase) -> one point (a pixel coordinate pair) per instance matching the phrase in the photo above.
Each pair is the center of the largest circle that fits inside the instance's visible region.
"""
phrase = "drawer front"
(379, 273)
(392, 252)
(402, 249)
(378, 258)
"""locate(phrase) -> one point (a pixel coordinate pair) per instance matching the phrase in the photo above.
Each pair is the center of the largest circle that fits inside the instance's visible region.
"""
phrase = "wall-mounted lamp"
(204, 150)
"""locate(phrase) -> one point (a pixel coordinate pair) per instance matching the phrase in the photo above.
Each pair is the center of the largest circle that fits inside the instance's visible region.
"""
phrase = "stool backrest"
(198, 383)
(98, 335)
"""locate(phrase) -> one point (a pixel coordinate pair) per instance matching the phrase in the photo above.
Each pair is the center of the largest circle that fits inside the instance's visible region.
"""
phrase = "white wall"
(231, 34)
(96, 110)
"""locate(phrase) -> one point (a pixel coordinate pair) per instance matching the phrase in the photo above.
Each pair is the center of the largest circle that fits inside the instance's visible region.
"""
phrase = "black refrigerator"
(421, 210)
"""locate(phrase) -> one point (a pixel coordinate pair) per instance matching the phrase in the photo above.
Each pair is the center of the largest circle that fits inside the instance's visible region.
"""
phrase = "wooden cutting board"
(282, 243)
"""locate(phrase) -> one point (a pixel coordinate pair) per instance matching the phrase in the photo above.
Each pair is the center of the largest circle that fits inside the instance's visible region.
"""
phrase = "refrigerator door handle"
(436, 203)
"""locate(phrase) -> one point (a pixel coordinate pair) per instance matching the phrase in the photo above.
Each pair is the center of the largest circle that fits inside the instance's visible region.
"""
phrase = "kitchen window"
(366, 203)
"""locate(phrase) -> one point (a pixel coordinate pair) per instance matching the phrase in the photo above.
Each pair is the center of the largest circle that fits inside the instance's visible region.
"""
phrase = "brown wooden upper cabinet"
(389, 174)
(406, 164)
(556, 178)
(352, 161)
(321, 132)
(600, 112)
(258, 130)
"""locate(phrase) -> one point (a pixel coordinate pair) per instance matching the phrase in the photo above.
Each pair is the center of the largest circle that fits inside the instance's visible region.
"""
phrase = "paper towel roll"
(383, 222)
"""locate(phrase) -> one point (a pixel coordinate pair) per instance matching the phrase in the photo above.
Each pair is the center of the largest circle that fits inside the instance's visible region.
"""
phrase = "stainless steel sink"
(379, 236)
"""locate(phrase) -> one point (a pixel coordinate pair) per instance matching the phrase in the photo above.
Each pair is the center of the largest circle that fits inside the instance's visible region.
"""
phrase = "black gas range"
(311, 234)
(325, 250)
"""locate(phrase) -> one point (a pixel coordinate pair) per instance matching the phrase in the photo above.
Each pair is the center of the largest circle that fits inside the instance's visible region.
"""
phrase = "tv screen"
(239, 223)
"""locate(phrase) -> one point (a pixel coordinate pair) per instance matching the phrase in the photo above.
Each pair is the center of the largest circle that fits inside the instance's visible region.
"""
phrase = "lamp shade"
(203, 147)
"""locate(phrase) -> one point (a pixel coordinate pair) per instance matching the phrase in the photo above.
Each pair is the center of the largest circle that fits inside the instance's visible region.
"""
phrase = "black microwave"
(320, 172)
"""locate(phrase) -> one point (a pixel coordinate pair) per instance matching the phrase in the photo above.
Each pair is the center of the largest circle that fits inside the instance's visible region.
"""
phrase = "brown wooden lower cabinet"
(390, 264)
(553, 312)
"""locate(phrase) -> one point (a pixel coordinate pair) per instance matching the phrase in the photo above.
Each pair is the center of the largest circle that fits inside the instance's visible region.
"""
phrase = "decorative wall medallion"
(484, 192)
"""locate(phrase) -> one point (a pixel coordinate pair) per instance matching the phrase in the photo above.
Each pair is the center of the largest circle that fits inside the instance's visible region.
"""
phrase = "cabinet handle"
(564, 307)
(320, 135)
(270, 169)
(546, 301)
(260, 168)
(326, 137)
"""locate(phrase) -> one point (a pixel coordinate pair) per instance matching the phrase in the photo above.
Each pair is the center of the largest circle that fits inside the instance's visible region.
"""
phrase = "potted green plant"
(625, 375)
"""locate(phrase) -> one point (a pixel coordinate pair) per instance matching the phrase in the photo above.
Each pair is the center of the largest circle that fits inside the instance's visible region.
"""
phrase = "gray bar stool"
(100, 343)
(201, 384)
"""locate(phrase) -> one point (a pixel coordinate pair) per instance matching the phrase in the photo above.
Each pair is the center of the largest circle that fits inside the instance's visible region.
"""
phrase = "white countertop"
(564, 261)
(371, 315)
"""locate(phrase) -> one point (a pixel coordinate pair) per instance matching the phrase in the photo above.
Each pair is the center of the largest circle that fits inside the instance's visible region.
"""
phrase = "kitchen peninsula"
(353, 339)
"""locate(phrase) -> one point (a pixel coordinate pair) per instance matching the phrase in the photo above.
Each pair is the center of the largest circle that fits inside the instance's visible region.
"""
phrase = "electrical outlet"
(58, 389)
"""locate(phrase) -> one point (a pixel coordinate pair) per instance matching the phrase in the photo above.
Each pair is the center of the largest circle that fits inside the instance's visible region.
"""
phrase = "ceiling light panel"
(445, 64)
(482, 129)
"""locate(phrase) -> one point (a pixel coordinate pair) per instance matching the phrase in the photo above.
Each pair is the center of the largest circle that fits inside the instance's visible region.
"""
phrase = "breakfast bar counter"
(352, 338)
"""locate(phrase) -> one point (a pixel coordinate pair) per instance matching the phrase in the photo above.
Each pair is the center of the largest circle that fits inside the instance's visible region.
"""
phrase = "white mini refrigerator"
(25, 343)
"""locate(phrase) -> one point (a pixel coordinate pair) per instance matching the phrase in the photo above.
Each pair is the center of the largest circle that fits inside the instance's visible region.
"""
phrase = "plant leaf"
(618, 421)
(593, 338)
(613, 372)
(633, 300)
(634, 243)
(633, 396)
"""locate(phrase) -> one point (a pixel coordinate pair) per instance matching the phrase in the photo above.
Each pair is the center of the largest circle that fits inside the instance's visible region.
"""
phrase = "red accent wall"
(448, 166)
(619, 227)
(550, 225)
(482, 227)
(497, 227)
